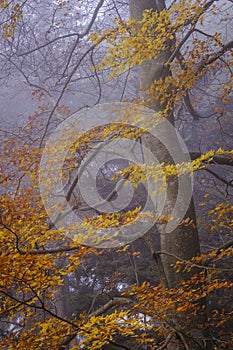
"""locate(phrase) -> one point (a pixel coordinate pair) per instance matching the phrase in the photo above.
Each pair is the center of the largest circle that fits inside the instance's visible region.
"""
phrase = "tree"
(160, 81)
(175, 56)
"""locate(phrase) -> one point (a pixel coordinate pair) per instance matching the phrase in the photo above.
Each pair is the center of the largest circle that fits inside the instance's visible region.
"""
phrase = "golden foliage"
(31, 252)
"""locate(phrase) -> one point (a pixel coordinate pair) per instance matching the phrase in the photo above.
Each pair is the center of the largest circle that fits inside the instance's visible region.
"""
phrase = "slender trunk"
(183, 241)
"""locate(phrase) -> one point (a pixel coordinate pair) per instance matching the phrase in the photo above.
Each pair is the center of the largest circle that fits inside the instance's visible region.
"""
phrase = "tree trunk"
(183, 241)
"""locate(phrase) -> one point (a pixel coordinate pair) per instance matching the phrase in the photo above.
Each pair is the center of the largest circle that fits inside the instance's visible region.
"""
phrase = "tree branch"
(109, 305)
(220, 178)
(186, 98)
(118, 345)
(114, 302)
(78, 35)
(72, 72)
(225, 159)
(210, 59)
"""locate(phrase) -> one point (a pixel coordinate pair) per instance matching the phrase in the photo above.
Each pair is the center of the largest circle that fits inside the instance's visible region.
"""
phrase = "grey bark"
(182, 241)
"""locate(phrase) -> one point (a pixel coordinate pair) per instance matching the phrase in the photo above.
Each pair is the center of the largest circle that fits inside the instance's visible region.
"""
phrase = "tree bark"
(183, 241)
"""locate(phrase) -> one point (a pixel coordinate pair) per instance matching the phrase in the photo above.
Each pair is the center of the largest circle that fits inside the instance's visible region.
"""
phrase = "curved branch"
(225, 159)
(110, 304)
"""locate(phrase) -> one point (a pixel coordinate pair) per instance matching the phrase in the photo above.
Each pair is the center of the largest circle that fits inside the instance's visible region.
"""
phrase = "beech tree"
(177, 59)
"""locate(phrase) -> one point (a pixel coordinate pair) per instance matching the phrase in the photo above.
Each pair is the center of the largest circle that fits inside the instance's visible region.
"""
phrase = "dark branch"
(210, 59)
(225, 159)
(220, 178)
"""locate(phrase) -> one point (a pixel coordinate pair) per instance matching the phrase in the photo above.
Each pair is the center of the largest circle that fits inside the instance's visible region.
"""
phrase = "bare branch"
(109, 305)
(73, 70)
(63, 91)
(228, 183)
(166, 343)
(79, 35)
